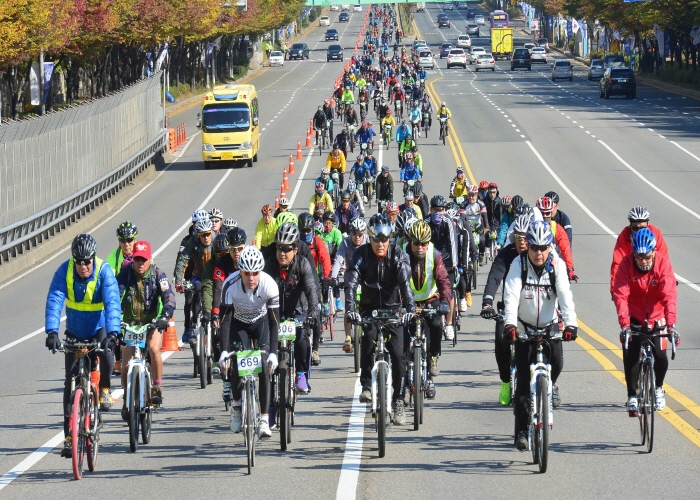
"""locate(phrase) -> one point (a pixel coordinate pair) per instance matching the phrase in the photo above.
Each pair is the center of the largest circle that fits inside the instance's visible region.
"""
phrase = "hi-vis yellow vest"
(86, 305)
(429, 287)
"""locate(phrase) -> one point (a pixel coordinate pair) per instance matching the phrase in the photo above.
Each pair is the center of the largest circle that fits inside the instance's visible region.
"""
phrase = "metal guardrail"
(23, 235)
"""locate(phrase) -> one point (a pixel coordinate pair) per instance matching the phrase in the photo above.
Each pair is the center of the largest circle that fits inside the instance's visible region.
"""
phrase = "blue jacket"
(84, 324)
(410, 174)
(506, 220)
(415, 115)
(401, 134)
(364, 135)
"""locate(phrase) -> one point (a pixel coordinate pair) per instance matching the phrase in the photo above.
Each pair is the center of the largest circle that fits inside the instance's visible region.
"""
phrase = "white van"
(420, 7)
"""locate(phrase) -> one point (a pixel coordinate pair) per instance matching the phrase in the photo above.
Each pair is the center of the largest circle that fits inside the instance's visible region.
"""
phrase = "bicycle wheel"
(146, 419)
(442, 135)
(381, 409)
(418, 388)
(133, 407)
(77, 432)
(640, 402)
(249, 426)
(542, 422)
(202, 357)
(92, 429)
(649, 401)
(195, 373)
(210, 359)
(455, 316)
(426, 132)
(356, 335)
(282, 408)
(475, 270)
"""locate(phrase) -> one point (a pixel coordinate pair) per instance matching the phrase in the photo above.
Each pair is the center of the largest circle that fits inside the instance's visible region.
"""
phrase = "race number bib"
(135, 336)
(288, 330)
(249, 362)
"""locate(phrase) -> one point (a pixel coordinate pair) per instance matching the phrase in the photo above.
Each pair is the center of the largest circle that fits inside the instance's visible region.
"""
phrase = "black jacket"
(270, 252)
(499, 270)
(563, 219)
(320, 120)
(384, 188)
(423, 204)
(298, 293)
(445, 238)
(493, 212)
(385, 282)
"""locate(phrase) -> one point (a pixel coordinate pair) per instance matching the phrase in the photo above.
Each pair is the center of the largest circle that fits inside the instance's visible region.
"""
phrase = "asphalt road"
(517, 128)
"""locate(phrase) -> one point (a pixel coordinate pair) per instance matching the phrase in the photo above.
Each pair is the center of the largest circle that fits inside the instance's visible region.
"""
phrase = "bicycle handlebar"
(657, 331)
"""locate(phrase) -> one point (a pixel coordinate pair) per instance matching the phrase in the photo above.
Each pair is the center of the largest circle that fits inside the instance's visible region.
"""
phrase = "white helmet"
(199, 214)
(539, 233)
(638, 213)
(203, 225)
(215, 213)
(251, 260)
(229, 223)
(358, 224)
(522, 223)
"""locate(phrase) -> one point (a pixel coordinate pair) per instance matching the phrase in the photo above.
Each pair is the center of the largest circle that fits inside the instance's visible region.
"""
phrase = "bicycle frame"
(381, 357)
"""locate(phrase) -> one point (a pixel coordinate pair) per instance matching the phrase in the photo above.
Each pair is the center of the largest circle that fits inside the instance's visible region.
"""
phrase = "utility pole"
(42, 106)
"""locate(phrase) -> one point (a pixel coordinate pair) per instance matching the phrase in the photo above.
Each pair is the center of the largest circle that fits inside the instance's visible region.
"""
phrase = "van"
(230, 125)
(420, 7)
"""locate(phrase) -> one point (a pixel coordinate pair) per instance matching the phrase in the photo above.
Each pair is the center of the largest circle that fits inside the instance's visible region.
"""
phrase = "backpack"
(523, 275)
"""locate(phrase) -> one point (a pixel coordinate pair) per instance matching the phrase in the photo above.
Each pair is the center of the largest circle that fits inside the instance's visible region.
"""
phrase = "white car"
(480, 19)
(425, 59)
(457, 57)
(476, 52)
(335, 7)
(448, 6)
(276, 58)
(538, 54)
(464, 41)
(485, 61)
(345, 6)
(562, 68)
(324, 21)
(357, 8)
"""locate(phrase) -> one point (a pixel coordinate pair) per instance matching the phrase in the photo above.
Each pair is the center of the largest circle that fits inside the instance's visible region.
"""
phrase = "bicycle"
(426, 123)
(443, 129)
(325, 139)
(204, 357)
(335, 195)
(351, 133)
(646, 382)
(328, 320)
(415, 131)
(493, 244)
(284, 391)
(398, 109)
(137, 394)
(381, 372)
(85, 418)
(456, 321)
(368, 188)
(387, 135)
(363, 110)
(417, 373)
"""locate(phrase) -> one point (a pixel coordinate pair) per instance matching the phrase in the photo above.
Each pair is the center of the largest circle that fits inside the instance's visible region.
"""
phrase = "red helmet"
(506, 200)
(493, 185)
(544, 204)
(484, 185)
(388, 112)
(473, 189)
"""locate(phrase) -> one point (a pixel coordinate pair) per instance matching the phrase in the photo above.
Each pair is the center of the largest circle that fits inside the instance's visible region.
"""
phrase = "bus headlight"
(246, 145)
(208, 147)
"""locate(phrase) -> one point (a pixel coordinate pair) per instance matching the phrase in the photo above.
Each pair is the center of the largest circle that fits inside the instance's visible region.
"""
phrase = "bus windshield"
(226, 117)
(499, 19)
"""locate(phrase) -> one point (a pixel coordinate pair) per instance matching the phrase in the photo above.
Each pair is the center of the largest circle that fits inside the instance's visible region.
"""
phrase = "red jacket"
(645, 296)
(623, 246)
(563, 243)
(319, 251)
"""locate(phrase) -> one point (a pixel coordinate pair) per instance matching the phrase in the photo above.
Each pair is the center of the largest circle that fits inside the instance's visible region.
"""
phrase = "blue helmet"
(643, 241)
(539, 233)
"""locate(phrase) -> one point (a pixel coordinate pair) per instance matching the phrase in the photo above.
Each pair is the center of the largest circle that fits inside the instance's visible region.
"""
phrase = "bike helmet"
(409, 155)
(215, 213)
(320, 187)
(443, 104)
(473, 189)
(320, 108)
(391, 206)
(236, 236)
(345, 196)
(438, 201)
(417, 189)
(229, 224)
(517, 201)
(401, 220)
(285, 217)
(493, 185)
(638, 214)
(352, 187)
(358, 224)
(379, 224)
(203, 226)
(287, 234)
(385, 168)
(324, 170)
(506, 201)
(388, 112)
(419, 232)
(320, 207)
(452, 210)
(360, 157)
(539, 233)
(266, 210)
(545, 205)
(552, 196)
(127, 230)
(284, 202)
(460, 170)
(328, 215)
(221, 243)
(251, 260)
(484, 185)
(199, 214)
(643, 241)
(83, 247)
(522, 224)
(525, 209)
(306, 220)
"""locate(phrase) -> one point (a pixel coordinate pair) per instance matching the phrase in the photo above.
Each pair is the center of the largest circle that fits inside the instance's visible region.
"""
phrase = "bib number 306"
(249, 362)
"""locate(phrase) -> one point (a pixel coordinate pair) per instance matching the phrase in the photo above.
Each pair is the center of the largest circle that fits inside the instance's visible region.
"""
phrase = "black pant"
(302, 349)
(241, 333)
(522, 365)
(433, 337)
(630, 359)
(193, 300)
(502, 347)
(395, 347)
(106, 367)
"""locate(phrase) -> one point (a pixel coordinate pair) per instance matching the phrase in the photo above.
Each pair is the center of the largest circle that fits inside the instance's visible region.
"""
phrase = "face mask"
(327, 229)
(307, 237)
(436, 217)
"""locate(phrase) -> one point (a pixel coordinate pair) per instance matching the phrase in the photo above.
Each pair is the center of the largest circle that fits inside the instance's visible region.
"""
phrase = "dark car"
(471, 13)
(520, 59)
(445, 49)
(613, 60)
(473, 29)
(618, 81)
(543, 42)
(299, 51)
(332, 34)
(344, 17)
(443, 20)
(334, 52)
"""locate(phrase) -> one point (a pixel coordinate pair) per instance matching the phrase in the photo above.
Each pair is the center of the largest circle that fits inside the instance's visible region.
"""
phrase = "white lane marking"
(684, 150)
(352, 458)
(591, 214)
(301, 176)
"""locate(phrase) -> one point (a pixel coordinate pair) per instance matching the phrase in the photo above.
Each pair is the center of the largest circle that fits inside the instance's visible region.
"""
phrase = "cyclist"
(361, 84)
(638, 218)
(365, 135)
(199, 251)
(383, 271)
(351, 118)
(644, 291)
(398, 96)
(191, 234)
(544, 205)
(284, 207)
(497, 273)
(348, 98)
(409, 172)
(560, 217)
(421, 199)
(384, 188)
(431, 288)
(483, 191)
(507, 217)
(409, 203)
(320, 196)
(265, 228)
(330, 115)
(90, 292)
(417, 159)
(403, 131)
(415, 115)
(145, 295)
(466, 250)
(387, 120)
(363, 98)
(295, 278)
(493, 211)
(356, 198)
(426, 106)
(403, 224)
(383, 109)
(363, 170)
(392, 211)
(253, 296)
(330, 234)
(444, 112)
(216, 217)
(370, 162)
(345, 212)
(405, 148)
(320, 122)
(545, 278)
(343, 142)
(459, 185)
(475, 213)
(336, 162)
(122, 255)
(325, 178)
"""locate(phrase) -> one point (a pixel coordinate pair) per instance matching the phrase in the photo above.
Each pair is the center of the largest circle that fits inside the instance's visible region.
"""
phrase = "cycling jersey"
(325, 199)
(403, 132)
(117, 260)
(415, 115)
(348, 97)
(444, 112)
(459, 187)
(365, 135)
(196, 252)
(388, 120)
(250, 305)
(333, 239)
(410, 173)
(476, 212)
(345, 251)
(265, 233)
(143, 298)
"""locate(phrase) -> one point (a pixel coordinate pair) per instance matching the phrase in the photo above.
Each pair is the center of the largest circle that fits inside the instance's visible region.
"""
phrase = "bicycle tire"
(426, 131)
(475, 270)
(282, 408)
(249, 427)
(133, 407)
(356, 336)
(640, 402)
(202, 357)
(92, 427)
(543, 421)
(77, 434)
(146, 419)
(210, 358)
(195, 373)
(649, 407)
(292, 391)
(381, 409)
(417, 388)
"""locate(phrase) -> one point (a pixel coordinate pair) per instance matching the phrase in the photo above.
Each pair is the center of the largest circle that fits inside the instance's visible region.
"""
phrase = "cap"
(142, 249)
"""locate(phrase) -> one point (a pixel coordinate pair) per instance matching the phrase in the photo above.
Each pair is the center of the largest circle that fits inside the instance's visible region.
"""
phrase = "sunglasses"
(221, 254)
(520, 237)
(643, 256)
(237, 249)
(215, 221)
(357, 234)
(380, 238)
(250, 273)
(83, 262)
(285, 249)
(420, 243)
(539, 248)
(204, 235)
(126, 240)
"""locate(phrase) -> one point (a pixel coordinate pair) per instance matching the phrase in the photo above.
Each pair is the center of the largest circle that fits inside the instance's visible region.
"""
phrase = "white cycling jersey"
(250, 305)
(473, 211)
(345, 251)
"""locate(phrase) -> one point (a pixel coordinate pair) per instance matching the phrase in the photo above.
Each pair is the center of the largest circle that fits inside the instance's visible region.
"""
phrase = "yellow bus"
(230, 125)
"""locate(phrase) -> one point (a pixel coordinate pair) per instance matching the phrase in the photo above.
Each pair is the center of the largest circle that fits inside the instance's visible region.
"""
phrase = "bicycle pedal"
(633, 414)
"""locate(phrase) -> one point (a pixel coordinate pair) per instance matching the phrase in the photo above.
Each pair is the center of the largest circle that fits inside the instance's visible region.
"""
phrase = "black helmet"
(236, 236)
(438, 201)
(127, 230)
(517, 201)
(417, 189)
(524, 209)
(84, 247)
(552, 195)
(221, 243)
(306, 220)
(328, 215)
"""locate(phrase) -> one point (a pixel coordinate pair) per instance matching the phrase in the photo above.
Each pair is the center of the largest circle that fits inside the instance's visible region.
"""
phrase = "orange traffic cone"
(277, 202)
(311, 124)
(332, 102)
(282, 192)
(291, 163)
(308, 145)
(170, 342)
(285, 179)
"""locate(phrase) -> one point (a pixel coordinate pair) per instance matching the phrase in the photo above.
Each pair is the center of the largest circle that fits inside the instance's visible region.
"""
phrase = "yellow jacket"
(326, 199)
(265, 233)
(389, 120)
(336, 163)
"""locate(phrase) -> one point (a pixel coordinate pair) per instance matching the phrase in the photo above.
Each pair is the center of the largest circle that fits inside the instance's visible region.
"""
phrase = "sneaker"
(125, 414)
(272, 417)
(236, 420)
(186, 335)
(468, 298)
(521, 442)
(366, 395)
(67, 451)
(226, 392)
(434, 368)
(301, 384)
(482, 260)
(193, 338)
(399, 417)
(504, 396)
(659, 399)
(326, 309)
(632, 406)
(105, 399)
(347, 346)
(463, 306)
(556, 400)
(315, 358)
(364, 199)
(338, 305)
(449, 332)
(156, 395)
(320, 340)
(215, 370)
(264, 429)
(430, 389)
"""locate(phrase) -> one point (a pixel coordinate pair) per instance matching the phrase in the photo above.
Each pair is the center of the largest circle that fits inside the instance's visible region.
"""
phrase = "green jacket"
(116, 259)
(198, 254)
(332, 239)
